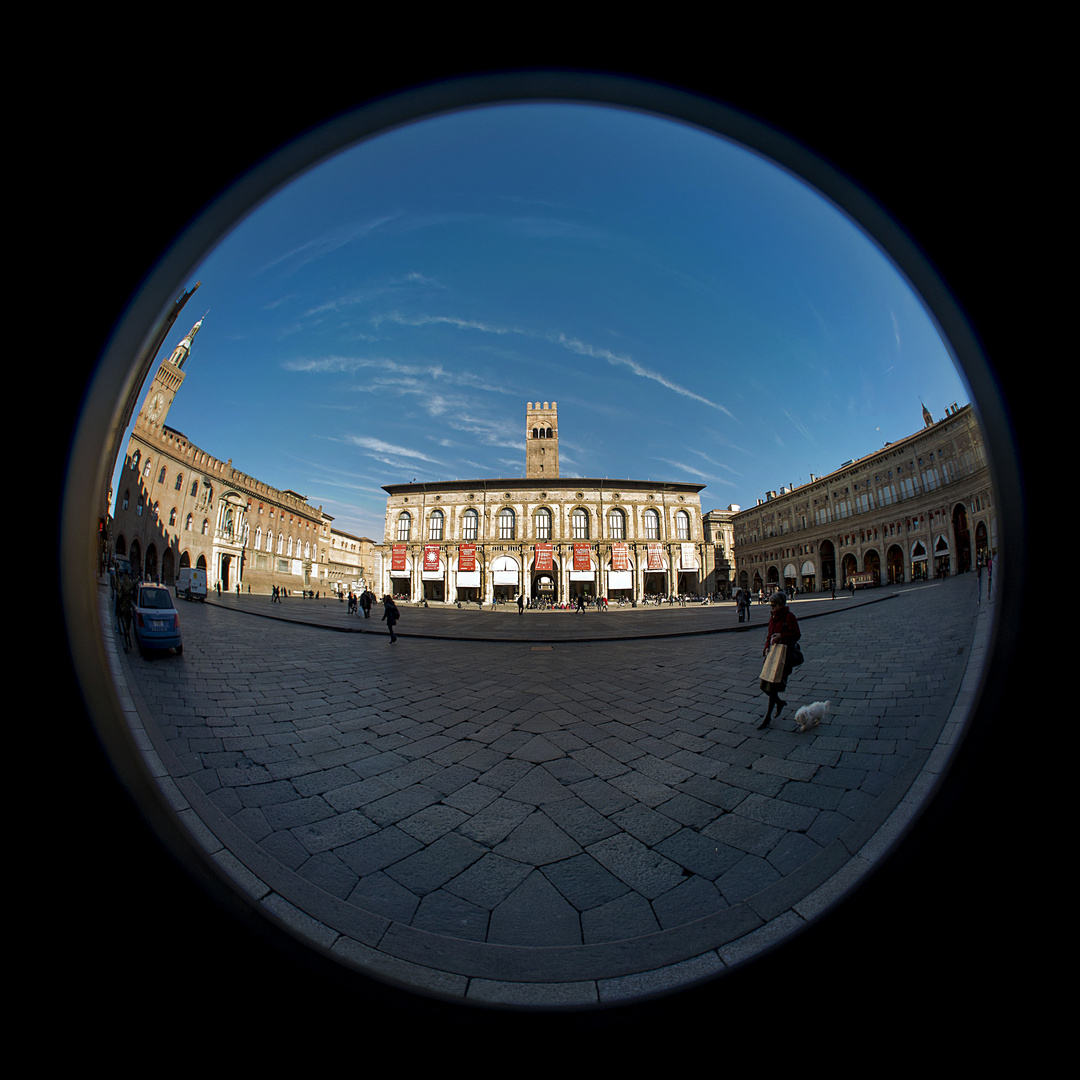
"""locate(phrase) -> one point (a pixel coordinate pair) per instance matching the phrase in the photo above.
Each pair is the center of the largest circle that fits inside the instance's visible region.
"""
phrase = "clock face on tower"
(156, 406)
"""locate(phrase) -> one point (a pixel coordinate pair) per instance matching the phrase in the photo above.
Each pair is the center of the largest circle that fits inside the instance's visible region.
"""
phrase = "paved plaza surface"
(550, 809)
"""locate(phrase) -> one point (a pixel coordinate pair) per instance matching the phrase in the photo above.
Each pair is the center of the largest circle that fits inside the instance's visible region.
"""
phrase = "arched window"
(281, 543)
(172, 516)
(189, 523)
(617, 525)
(146, 468)
(135, 461)
(652, 525)
(258, 537)
(179, 481)
(139, 508)
(127, 499)
(579, 524)
(543, 523)
(404, 527)
(161, 475)
(205, 527)
(682, 525)
(154, 511)
(435, 525)
(307, 549)
(506, 524)
(194, 488)
(469, 525)
(290, 546)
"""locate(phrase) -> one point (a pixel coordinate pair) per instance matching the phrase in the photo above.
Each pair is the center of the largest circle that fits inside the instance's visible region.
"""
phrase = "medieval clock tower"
(167, 381)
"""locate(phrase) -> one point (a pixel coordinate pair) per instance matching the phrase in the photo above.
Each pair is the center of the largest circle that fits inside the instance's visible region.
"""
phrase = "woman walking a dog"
(783, 630)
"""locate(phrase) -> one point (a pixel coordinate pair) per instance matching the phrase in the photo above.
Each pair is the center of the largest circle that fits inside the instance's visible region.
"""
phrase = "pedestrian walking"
(783, 630)
(521, 603)
(391, 615)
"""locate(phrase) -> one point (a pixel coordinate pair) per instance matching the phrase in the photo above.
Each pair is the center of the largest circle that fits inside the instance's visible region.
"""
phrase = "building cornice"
(551, 484)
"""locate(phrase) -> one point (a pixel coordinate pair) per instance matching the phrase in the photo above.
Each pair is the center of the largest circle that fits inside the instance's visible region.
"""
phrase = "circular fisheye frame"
(677, 947)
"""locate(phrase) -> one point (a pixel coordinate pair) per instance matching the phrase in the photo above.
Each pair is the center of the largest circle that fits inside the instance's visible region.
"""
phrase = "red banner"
(543, 555)
(431, 557)
(398, 557)
(656, 558)
(582, 559)
(466, 560)
(620, 556)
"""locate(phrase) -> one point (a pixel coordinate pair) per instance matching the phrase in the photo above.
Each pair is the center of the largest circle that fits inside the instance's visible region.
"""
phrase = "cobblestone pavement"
(571, 823)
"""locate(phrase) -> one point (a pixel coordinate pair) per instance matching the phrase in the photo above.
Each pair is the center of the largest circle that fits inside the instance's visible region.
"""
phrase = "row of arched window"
(286, 545)
(179, 485)
(506, 525)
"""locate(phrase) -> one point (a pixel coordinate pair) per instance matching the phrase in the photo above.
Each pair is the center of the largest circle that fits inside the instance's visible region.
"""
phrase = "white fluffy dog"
(811, 715)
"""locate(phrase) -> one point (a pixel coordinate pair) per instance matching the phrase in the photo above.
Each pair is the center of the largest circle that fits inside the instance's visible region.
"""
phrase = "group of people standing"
(363, 601)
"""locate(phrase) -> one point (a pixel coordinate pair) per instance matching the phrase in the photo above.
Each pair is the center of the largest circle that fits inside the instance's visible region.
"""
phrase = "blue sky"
(697, 313)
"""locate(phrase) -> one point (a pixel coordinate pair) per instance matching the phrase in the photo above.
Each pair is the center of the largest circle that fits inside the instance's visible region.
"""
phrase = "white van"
(191, 584)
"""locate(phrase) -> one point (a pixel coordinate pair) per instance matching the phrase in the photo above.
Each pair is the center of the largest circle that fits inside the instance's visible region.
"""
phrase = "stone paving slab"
(467, 814)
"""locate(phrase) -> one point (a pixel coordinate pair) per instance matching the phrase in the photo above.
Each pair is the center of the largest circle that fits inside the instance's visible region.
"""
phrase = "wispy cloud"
(800, 427)
(712, 461)
(584, 349)
(447, 320)
(320, 246)
(380, 449)
(699, 474)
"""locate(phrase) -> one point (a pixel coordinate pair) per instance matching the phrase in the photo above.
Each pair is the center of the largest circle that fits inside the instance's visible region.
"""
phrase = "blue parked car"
(155, 621)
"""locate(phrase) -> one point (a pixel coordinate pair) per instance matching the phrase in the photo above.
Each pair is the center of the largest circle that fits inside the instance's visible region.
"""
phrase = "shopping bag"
(773, 668)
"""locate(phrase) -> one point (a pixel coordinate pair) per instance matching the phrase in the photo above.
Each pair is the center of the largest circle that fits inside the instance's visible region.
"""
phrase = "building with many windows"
(720, 533)
(917, 509)
(177, 505)
(550, 538)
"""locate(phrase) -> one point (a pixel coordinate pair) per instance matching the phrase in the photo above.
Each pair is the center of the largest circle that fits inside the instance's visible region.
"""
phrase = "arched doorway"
(809, 578)
(620, 583)
(963, 538)
(790, 580)
(226, 565)
(919, 562)
(150, 564)
(828, 563)
(185, 560)
(135, 558)
(168, 574)
(772, 579)
(848, 566)
(872, 562)
(942, 556)
(981, 545)
(894, 565)
(433, 576)
(506, 578)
